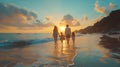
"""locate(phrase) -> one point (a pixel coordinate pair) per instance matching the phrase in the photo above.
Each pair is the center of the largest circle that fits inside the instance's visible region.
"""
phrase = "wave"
(22, 43)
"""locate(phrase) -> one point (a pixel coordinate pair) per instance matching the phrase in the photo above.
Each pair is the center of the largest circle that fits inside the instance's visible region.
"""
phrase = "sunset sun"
(59, 33)
(62, 29)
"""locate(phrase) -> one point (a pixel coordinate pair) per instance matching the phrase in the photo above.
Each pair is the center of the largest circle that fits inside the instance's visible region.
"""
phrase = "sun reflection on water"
(64, 53)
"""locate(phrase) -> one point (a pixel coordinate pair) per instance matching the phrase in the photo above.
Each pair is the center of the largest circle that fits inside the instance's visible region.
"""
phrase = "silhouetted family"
(63, 36)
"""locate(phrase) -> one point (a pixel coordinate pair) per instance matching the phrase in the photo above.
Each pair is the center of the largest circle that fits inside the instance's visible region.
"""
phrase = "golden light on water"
(64, 43)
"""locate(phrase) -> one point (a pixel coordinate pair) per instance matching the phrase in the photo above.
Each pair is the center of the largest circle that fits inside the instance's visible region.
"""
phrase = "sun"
(62, 29)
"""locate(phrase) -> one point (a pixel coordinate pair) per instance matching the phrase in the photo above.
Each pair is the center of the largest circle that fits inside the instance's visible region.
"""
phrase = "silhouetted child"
(62, 37)
(73, 37)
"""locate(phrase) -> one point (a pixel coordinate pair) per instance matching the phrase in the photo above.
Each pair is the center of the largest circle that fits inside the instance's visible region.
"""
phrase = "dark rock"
(112, 44)
(107, 24)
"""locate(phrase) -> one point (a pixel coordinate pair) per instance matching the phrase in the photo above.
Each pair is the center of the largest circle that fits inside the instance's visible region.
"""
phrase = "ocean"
(90, 50)
(7, 39)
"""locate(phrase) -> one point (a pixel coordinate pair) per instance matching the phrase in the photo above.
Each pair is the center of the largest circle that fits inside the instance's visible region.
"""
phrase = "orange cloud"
(69, 19)
(111, 5)
(99, 9)
(49, 18)
(11, 15)
(85, 19)
(75, 22)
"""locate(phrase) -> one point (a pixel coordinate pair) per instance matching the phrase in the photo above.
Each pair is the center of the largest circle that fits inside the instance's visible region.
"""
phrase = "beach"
(87, 52)
(59, 33)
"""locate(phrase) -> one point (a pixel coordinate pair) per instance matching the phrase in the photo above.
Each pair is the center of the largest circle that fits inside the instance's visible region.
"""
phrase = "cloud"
(75, 22)
(49, 18)
(45, 23)
(104, 10)
(89, 22)
(99, 9)
(69, 19)
(85, 18)
(11, 15)
(111, 5)
(3, 27)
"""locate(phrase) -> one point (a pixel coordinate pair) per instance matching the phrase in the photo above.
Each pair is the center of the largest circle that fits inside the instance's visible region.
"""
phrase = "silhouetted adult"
(55, 34)
(67, 33)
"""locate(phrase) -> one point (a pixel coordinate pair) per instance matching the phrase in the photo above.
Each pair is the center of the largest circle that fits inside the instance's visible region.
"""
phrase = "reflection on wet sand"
(90, 49)
(91, 53)
(47, 55)
(16, 56)
(113, 45)
(64, 54)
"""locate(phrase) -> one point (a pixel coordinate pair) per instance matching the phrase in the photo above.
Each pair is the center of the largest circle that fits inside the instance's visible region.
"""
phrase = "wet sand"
(92, 53)
(87, 52)
(47, 54)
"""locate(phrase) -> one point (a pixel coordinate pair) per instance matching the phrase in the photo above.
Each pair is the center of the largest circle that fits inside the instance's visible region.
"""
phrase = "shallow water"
(91, 53)
(88, 51)
(28, 38)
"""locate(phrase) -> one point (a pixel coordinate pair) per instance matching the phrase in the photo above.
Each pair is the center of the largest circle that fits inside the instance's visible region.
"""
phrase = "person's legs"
(62, 41)
(68, 38)
(55, 40)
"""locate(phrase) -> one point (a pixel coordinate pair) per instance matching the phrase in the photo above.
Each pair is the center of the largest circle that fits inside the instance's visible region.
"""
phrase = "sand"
(42, 55)
(87, 52)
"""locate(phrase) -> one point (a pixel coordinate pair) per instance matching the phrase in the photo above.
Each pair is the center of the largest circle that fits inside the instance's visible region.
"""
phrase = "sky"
(40, 16)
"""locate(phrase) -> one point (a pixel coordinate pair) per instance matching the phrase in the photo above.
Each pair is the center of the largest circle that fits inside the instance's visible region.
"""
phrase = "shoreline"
(42, 53)
(86, 49)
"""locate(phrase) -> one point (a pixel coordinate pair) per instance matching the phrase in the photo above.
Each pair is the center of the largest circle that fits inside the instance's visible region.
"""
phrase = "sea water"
(9, 38)
(89, 51)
